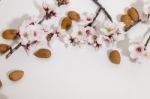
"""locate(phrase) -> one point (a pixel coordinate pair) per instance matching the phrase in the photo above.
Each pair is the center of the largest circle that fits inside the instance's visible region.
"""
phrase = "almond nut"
(74, 16)
(43, 53)
(126, 20)
(133, 13)
(10, 34)
(1, 84)
(4, 48)
(66, 23)
(16, 75)
(115, 57)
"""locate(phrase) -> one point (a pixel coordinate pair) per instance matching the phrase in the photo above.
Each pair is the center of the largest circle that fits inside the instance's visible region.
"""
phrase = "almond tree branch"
(91, 23)
(97, 13)
(107, 14)
(148, 40)
(13, 50)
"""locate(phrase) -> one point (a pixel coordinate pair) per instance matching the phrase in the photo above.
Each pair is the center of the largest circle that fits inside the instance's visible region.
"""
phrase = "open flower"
(81, 38)
(66, 38)
(136, 50)
(92, 36)
(112, 33)
(32, 33)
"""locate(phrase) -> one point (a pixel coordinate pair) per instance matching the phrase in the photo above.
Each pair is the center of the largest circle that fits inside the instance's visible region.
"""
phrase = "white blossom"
(137, 51)
(112, 32)
(32, 32)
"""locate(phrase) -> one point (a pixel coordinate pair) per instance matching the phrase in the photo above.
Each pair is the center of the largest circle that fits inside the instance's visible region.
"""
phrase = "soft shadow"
(39, 7)
(124, 45)
(15, 23)
(2, 96)
(138, 5)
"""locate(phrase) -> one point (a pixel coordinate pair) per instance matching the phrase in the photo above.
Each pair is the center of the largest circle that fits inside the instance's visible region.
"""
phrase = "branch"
(106, 13)
(146, 44)
(13, 50)
(19, 44)
(97, 13)
(148, 40)
(91, 23)
(41, 21)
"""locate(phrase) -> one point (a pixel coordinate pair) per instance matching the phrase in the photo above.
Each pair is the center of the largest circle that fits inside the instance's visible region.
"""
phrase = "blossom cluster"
(33, 32)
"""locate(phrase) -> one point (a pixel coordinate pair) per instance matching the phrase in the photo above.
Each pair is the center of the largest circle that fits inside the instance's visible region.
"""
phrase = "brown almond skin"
(74, 15)
(126, 20)
(43, 53)
(66, 23)
(1, 84)
(10, 34)
(115, 57)
(133, 13)
(16, 75)
(4, 48)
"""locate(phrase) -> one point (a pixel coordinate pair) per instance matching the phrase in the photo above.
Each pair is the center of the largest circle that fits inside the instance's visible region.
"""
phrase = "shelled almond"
(133, 13)
(4, 48)
(10, 34)
(16, 75)
(115, 57)
(74, 15)
(43, 53)
(126, 20)
(66, 23)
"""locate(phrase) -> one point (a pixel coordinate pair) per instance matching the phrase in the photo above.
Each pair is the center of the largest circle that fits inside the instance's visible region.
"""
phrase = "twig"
(148, 40)
(91, 23)
(97, 13)
(146, 44)
(106, 13)
(41, 21)
(13, 50)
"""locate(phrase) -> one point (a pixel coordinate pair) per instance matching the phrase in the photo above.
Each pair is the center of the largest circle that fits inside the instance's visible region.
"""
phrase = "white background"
(71, 73)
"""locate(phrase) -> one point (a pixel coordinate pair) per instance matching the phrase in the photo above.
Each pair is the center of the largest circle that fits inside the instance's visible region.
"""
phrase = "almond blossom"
(138, 52)
(90, 36)
(112, 32)
(32, 33)
(136, 49)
